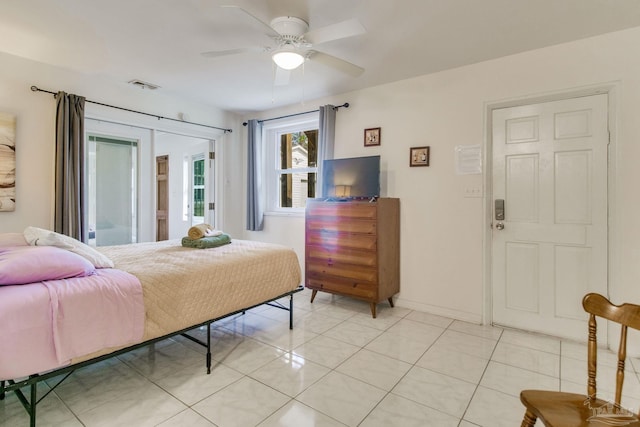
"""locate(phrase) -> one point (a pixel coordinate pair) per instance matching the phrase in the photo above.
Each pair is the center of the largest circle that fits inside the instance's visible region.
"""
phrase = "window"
(293, 150)
(297, 168)
(194, 198)
(198, 189)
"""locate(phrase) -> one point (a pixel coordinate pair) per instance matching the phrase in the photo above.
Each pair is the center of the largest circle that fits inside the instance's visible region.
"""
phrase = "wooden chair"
(558, 409)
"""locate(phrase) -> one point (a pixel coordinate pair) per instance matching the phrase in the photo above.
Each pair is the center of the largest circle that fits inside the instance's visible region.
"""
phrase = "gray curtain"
(70, 199)
(255, 209)
(326, 138)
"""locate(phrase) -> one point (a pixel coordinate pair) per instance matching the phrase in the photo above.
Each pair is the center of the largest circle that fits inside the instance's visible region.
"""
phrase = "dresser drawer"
(342, 209)
(350, 241)
(334, 255)
(316, 269)
(355, 226)
(344, 287)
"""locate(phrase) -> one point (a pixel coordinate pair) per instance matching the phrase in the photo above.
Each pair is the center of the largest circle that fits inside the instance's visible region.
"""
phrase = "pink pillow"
(26, 264)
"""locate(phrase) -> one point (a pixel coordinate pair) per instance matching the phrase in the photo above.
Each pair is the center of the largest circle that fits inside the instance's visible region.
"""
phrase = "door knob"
(500, 226)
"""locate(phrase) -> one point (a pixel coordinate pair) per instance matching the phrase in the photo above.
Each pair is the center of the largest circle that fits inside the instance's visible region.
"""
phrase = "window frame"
(198, 219)
(272, 134)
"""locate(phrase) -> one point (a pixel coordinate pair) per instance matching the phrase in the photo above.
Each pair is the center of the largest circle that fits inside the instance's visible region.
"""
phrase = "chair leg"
(529, 420)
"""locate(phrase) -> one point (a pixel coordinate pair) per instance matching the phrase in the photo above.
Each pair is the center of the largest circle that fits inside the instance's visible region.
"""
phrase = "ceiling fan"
(294, 44)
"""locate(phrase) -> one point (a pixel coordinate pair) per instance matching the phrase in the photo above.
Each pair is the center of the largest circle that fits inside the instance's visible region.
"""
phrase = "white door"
(550, 168)
(202, 186)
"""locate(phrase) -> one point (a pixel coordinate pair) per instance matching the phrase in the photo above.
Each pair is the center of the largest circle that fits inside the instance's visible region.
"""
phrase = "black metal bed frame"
(33, 380)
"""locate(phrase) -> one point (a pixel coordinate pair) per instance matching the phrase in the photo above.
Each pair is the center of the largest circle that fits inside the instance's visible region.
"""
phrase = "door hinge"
(212, 206)
(212, 155)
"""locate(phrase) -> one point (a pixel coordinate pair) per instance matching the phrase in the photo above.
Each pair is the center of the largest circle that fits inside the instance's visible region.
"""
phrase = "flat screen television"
(355, 177)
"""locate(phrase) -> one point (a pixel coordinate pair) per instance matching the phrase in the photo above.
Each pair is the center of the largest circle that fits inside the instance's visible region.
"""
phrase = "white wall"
(442, 240)
(35, 133)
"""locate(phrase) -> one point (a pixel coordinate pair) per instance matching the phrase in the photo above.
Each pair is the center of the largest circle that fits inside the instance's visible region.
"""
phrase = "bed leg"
(291, 311)
(208, 348)
(32, 406)
(2, 394)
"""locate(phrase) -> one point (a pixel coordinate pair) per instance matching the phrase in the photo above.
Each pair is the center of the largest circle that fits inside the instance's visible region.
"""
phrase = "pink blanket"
(44, 325)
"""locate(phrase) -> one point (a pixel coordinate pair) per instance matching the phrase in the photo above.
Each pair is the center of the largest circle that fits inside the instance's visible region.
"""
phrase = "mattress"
(183, 287)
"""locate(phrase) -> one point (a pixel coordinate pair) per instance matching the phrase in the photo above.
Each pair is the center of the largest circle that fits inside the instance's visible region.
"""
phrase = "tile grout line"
(484, 371)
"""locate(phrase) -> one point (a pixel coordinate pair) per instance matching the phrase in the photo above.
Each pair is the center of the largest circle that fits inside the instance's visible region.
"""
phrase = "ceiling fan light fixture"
(287, 59)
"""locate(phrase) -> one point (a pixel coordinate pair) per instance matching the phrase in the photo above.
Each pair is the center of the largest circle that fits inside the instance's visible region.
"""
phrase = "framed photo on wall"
(7, 162)
(419, 156)
(371, 137)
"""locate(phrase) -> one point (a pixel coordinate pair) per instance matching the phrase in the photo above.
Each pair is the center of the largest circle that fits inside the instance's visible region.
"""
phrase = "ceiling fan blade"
(270, 31)
(337, 63)
(219, 53)
(281, 77)
(340, 30)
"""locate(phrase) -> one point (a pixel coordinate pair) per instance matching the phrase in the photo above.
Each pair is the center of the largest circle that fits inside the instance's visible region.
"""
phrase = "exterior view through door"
(550, 248)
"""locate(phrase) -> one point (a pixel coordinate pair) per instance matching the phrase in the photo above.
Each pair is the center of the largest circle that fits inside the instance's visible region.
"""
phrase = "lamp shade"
(287, 59)
(343, 190)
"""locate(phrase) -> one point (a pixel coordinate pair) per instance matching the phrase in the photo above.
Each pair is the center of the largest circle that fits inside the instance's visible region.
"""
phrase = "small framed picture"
(371, 137)
(419, 156)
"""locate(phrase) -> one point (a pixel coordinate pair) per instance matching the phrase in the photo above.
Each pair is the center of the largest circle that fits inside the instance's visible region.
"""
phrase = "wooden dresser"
(353, 248)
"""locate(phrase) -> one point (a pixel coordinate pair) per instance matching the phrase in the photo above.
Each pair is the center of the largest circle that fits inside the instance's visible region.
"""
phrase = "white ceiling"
(160, 41)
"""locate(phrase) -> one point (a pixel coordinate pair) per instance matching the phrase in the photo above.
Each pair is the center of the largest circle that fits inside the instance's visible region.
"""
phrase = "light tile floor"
(338, 367)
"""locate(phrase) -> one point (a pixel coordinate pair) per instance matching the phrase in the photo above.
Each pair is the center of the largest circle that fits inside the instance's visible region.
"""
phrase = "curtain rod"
(37, 89)
(345, 105)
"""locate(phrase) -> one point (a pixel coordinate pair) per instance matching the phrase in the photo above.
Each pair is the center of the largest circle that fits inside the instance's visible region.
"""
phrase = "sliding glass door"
(123, 192)
(113, 190)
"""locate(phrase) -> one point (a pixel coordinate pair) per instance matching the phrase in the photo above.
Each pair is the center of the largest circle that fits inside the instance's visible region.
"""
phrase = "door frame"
(611, 89)
(98, 116)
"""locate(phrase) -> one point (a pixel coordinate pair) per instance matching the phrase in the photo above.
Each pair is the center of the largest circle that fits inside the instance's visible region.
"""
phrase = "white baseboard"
(440, 311)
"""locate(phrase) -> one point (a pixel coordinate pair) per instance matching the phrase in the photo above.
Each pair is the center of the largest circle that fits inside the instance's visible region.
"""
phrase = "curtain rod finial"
(34, 88)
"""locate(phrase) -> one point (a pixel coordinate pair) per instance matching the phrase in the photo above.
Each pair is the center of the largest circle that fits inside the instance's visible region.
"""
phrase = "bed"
(166, 289)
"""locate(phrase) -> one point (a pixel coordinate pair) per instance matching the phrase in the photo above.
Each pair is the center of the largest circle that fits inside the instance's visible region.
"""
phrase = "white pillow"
(40, 237)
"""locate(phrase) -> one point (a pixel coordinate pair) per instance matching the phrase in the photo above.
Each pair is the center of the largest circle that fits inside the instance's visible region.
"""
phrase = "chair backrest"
(627, 315)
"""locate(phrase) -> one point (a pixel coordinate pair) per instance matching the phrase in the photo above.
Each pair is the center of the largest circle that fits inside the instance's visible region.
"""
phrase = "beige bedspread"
(183, 287)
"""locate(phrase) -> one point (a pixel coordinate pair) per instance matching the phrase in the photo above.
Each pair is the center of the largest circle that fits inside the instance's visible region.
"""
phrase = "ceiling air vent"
(143, 85)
